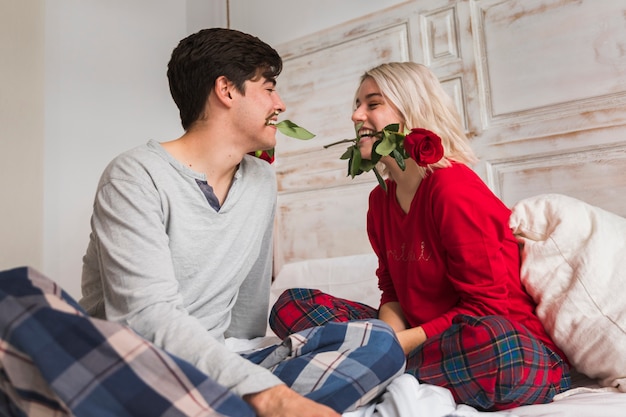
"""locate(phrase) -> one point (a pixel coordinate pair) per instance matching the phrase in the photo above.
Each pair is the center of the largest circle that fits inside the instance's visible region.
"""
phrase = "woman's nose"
(358, 115)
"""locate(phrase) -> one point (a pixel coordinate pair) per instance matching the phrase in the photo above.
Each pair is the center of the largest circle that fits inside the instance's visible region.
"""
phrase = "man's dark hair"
(201, 58)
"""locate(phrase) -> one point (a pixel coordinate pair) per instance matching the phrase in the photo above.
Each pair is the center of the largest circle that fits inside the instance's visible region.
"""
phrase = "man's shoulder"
(140, 152)
(141, 158)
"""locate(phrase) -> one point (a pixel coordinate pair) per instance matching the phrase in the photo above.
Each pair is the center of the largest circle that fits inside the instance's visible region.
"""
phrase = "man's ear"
(223, 90)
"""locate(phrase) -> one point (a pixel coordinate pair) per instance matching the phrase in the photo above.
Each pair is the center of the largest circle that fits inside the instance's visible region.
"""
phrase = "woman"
(448, 262)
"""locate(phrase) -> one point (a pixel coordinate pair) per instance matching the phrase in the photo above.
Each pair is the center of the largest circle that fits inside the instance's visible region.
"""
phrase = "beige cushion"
(574, 267)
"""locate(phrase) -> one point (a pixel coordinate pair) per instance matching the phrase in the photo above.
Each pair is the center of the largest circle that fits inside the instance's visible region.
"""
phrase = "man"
(180, 249)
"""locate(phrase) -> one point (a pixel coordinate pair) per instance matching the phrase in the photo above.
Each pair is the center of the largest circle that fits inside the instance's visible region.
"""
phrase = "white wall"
(21, 133)
(279, 21)
(86, 81)
(106, 91)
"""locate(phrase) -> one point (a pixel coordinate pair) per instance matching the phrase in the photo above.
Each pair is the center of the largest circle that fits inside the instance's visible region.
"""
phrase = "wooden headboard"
(540, 84)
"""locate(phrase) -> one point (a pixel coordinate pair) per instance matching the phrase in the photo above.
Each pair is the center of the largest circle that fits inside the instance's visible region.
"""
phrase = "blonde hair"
(422, 102)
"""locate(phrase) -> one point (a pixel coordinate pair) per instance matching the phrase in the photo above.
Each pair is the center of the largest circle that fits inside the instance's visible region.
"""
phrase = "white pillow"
(352, 277)
(574, 267)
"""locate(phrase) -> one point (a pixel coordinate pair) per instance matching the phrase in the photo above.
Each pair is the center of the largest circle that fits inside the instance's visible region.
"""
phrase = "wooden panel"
(322, 223)
(540, 85)
(595, 175)
(321, 211)
(446, 30)
(544, 59)
(319, 87)
(552, 81)
(554, 39)
(318, 169)
(454, 88)
(439, 32)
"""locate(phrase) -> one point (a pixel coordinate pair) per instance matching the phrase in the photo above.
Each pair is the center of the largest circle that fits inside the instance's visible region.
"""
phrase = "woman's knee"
(290, 311)
(489, 363)
(298, 309)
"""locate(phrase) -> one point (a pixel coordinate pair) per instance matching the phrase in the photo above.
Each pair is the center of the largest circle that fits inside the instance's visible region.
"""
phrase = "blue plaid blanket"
(57, 361)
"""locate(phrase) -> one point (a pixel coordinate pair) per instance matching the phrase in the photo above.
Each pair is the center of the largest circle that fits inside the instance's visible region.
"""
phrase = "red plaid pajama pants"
(490, 363)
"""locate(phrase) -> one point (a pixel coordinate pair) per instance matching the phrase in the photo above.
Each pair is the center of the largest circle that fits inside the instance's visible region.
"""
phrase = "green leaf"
(375, 155)
(399, 159)
(394, 127)
(355, 162)
(357, 127)
(400, 148)
(347, 154)
(380, 179)
(366, 165)
(387, 145)
(289, 128)
(390, 142)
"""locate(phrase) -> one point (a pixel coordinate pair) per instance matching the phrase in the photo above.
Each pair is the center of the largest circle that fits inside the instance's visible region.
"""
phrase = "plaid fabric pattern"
(301, 308)
(342, 365)
(489, 362)
(56, 361)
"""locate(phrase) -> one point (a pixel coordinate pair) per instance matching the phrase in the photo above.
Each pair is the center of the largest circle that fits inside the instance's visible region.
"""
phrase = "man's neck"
(214, 158)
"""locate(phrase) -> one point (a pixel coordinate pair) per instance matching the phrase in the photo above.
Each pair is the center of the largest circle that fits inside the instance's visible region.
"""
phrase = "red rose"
(423, 146)
(264, 155)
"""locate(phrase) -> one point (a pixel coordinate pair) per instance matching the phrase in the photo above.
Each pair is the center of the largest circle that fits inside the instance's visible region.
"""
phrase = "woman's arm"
(409, 338)
(391, 313)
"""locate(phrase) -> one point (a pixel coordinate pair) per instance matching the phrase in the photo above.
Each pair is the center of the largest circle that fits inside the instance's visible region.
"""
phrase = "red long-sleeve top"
(452, 253)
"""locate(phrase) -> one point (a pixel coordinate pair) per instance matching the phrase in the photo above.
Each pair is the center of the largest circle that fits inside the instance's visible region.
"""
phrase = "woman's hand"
(391, 313)
(410, 339)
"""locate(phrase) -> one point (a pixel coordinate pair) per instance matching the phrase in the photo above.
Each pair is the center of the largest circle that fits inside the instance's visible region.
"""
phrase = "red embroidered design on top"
(409, 256)
(422, 257)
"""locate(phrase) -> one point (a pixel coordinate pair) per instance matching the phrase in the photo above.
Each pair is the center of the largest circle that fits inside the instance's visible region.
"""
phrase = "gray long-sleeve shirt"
(181, 274)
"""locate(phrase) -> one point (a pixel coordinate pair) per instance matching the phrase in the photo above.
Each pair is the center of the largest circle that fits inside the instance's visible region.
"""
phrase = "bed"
(574, 258)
